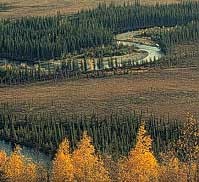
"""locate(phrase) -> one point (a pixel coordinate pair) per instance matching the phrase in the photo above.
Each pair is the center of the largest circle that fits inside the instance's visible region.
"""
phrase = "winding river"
(154, 53)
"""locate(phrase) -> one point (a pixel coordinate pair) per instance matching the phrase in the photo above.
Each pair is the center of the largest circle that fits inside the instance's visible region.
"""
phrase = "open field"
(19, 8)
(173, 91)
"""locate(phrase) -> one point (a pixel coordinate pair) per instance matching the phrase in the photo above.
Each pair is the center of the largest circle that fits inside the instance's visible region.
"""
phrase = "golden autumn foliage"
(173, 170)
(141, 165)
(188, 143)
(14, 168)
(17, 169)
(84, 165)
(187, 148)
(88, 166)
(3, 158)
(42, 174)
(62, 169)
(30, 172)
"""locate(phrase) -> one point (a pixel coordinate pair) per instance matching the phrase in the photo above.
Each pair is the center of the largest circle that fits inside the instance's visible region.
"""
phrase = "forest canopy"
(43, 38)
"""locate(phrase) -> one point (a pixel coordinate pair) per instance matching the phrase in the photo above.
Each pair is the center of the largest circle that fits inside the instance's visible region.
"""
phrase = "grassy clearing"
(20, 8)
(173, 91)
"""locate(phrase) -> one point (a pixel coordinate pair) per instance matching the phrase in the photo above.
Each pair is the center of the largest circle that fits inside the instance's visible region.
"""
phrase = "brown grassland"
(19, 8)
(173, 91)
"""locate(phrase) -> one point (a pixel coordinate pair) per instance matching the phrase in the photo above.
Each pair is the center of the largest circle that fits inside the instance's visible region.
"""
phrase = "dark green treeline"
(169, 37)
(42, 38)
(114, 134)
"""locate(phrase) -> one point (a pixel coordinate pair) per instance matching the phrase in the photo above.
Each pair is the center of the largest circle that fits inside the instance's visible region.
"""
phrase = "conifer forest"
(96, 91)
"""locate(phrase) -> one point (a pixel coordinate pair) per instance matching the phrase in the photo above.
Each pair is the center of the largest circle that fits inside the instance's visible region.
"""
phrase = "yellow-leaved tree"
(172, 170)
(88, 166)
(188, 144)
(187, 150)
(18, 169)
(43, 174)
(62, 169)
(3, 158)
(30, 172)
(141, 165)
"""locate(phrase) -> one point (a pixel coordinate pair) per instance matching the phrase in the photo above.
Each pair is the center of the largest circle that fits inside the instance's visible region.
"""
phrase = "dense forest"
(84, 163)
(114, 134)
(41, 38)
(169, 37)
(48, 37)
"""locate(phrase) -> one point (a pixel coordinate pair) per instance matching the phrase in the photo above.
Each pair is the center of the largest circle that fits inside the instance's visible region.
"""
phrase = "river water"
(154, 52)
(28, 153)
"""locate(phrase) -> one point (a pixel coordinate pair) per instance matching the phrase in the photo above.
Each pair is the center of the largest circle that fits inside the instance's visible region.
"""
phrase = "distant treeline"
(114, 134)
(169, 37)
(69, 69)
(42, 38)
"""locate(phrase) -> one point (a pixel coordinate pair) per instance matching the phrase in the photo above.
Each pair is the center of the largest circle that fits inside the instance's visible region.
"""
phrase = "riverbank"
(136, 54)
(28, 153)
